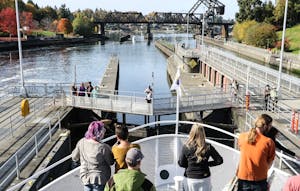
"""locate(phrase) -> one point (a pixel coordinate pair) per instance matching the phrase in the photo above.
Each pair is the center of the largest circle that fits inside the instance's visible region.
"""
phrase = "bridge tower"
(214, 7)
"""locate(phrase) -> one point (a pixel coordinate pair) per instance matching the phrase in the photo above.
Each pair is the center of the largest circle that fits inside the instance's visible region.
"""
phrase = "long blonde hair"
(197, 139)
(261, 123)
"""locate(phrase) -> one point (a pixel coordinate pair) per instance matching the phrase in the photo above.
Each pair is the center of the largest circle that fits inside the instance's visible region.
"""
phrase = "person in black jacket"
(272, 135)
(195, 157)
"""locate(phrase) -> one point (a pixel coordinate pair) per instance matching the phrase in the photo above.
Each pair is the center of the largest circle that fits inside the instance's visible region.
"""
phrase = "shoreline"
(13, 46)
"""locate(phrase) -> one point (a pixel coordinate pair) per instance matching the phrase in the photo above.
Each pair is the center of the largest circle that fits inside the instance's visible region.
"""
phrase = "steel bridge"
(157, 18)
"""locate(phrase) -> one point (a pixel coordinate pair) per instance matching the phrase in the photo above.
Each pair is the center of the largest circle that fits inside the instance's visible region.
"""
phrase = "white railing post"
(17, 166)
(36, 145)
(280, 161)
(50, 134)
(59, 121)
(11, 126)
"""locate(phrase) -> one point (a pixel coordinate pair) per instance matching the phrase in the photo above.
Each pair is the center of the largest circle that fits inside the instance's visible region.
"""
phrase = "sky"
(143, 6)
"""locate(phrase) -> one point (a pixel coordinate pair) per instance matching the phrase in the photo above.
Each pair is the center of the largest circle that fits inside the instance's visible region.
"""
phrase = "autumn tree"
(8, 22)
(26, 20)
(240, 30)
(64, 25)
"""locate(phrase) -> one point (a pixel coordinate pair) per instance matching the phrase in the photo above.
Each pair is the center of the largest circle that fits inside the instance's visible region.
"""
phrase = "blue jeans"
(244, 185)
(94, 187)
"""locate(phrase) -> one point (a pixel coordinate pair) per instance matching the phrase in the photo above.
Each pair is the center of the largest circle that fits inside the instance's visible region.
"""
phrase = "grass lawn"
(293, 35)
(43, 33)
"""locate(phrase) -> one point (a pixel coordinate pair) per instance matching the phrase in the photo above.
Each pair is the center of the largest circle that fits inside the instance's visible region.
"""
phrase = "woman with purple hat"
(95, 158)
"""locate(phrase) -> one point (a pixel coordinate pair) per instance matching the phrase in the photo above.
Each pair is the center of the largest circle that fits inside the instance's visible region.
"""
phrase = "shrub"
(286, 45)
(261, 35)
(240, 30)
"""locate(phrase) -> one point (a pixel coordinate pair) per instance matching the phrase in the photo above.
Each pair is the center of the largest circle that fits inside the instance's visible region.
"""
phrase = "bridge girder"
(214, 7)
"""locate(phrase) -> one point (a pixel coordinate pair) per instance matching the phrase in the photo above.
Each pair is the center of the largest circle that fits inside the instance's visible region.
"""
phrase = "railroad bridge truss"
(214, 8)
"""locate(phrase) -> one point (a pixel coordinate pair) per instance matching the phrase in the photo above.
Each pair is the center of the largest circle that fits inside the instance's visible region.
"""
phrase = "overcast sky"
(139, 5)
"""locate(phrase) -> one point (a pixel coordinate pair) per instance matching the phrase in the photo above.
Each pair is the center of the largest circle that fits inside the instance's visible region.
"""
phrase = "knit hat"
(134, 156)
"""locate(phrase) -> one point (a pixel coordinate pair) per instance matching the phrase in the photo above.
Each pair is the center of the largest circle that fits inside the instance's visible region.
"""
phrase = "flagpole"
(22, 90)
(177, 111)
(176, 86)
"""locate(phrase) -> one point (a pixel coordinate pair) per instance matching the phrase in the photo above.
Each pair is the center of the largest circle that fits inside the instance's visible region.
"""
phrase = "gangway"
(158, 106)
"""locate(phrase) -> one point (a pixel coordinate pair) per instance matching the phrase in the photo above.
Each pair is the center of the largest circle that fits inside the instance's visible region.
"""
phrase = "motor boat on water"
(161, 154)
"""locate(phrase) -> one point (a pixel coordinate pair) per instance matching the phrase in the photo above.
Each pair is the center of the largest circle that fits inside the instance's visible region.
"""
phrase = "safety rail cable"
(15, 118)
(17, 186)
(35, 142)
(50, 89)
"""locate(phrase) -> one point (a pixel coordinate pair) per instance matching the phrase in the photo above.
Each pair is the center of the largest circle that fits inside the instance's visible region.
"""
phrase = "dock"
(110, 79)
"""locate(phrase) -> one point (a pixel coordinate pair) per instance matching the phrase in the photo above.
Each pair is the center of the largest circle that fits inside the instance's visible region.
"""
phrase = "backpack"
(146, 186)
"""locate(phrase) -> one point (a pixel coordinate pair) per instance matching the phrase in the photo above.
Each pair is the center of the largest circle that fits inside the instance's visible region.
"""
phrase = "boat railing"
(166, 149)
(12, 167)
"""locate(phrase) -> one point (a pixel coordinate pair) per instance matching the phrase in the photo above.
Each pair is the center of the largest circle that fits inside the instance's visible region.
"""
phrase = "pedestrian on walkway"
(74, 89)
(89, 89)
(95, 158)
(267, 96)
(148, 92)
(274, 98)
(81, 90)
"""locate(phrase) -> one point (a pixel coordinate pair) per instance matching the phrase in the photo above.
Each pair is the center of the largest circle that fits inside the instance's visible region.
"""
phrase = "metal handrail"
(12, 119)
(35, 140)
(17, 186)
(237, 68)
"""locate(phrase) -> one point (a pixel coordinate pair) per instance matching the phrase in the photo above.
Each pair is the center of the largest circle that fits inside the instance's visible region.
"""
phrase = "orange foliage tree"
(65, 26)
(8, 23)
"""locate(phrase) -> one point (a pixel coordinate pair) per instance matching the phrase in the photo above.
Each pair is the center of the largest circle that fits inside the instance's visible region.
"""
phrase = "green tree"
(261, 35)
(293, 15)
(64, 12)
(82, 25)
(249, 10)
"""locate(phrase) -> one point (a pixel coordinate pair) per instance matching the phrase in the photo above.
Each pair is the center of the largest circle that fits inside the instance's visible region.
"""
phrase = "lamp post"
(22, 90)
(282, 46)
(202, 38)
(187, 29)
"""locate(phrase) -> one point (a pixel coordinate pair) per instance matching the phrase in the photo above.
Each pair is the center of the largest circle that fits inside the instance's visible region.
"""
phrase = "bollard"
(293, 121)
(247, 101)
(296, 122)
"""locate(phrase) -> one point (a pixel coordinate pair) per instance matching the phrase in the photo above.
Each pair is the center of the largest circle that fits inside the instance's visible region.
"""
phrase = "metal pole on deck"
(248, 79)
(22, 90)
(282, 46)
(187, 29)
(202, 37)
(177, 110)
